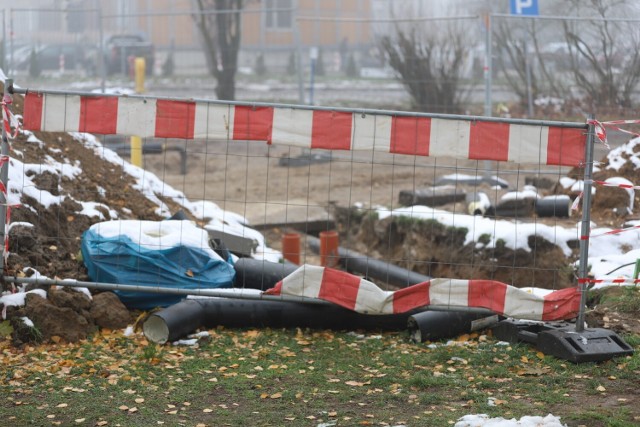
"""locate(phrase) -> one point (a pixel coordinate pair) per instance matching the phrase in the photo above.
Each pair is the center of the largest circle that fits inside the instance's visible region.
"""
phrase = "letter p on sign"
(524, 7)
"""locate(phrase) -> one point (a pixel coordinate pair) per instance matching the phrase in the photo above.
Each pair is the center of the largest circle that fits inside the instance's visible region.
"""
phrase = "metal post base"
(560, 339)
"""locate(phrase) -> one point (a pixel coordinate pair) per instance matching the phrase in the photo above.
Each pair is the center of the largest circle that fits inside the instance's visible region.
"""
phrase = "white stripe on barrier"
(371, 132)
(137, 116)
(213, 121)
(292, 127)
(449, 138)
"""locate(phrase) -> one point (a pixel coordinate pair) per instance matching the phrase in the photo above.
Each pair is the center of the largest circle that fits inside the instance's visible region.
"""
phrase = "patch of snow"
(158, 235)
(18, 224)
(619, 155)
(514, 234)
(17, 300)
(520, 195)
(483, 420)
(28, 322)
(567, 182)
(189, 342)
(90, 209)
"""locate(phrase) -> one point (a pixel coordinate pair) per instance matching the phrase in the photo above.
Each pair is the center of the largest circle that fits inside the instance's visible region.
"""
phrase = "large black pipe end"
(437, 325)
(174, 322)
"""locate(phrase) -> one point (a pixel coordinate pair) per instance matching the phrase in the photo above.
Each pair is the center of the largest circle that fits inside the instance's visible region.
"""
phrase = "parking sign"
(524, 7)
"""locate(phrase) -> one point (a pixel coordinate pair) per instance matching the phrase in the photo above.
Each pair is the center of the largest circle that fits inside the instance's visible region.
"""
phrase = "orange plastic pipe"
(291, 247)
(329, 243)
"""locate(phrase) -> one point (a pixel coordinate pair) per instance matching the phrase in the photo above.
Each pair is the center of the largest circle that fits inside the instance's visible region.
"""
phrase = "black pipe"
(188, 315)
(554, 206)
(259, 274)
(355, 262)
(436, 325)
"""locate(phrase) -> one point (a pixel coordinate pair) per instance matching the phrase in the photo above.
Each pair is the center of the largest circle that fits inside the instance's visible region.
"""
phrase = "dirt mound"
(52, 245)
(436, 250)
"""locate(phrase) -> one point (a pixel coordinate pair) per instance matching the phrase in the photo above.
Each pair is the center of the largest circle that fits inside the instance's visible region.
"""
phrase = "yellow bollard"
(136, 141)
(139, 66)
(136, 151)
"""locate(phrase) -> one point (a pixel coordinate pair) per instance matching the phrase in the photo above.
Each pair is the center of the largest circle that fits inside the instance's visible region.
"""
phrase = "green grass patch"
(302, 377)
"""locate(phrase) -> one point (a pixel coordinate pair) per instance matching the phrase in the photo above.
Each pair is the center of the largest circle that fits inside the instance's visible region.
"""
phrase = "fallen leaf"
(601, 388)
(276, 395)
(80, 420)
(207, 410)
(139, 400)
(62, 405)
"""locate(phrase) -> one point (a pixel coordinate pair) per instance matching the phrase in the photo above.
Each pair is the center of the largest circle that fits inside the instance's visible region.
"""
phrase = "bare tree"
(604, 54)
(520, 52)
(430, 67)
(219, 22)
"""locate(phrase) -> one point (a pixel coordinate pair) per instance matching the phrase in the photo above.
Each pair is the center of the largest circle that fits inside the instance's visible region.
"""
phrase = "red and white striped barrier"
(363, 296)
(306, 127)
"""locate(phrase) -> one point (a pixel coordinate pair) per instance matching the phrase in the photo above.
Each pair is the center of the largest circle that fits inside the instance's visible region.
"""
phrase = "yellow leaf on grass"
(276, 395)
(139, 400)
(62, 405)
(207, 410)
(601, 388)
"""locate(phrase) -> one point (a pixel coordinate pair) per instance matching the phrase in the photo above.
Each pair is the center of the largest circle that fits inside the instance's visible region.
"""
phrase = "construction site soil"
(237, 178)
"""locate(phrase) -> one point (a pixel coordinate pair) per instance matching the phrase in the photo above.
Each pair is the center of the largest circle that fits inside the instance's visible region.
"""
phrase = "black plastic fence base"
(561, 340)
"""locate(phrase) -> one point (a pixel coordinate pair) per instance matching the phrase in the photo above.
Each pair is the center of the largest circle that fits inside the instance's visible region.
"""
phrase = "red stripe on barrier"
(175, 119)
(488, 294)
(562, 304)
(566, 146)
(406, 299)
(253, 123)
(339, 287)
(331, 130)
(98, 115)
(489, 141)
(32, 114)
(410, 135)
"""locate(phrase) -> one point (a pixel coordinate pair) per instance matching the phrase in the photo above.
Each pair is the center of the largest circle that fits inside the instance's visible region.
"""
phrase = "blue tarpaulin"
(118, 259)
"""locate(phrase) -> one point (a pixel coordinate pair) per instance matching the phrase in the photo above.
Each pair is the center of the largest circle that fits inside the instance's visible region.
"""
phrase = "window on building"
(279, 14)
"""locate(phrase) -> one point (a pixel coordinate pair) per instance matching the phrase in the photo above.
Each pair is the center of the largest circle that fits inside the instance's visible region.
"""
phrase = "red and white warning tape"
(576, 202)
(8, 119)
(600, 128)
(610, 281)
(610, 184)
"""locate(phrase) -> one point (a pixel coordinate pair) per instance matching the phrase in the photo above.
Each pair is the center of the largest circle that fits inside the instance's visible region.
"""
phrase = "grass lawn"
(264, 377)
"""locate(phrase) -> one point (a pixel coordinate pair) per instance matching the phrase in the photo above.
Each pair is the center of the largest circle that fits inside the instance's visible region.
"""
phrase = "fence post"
(4, 176)
(583, 269)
